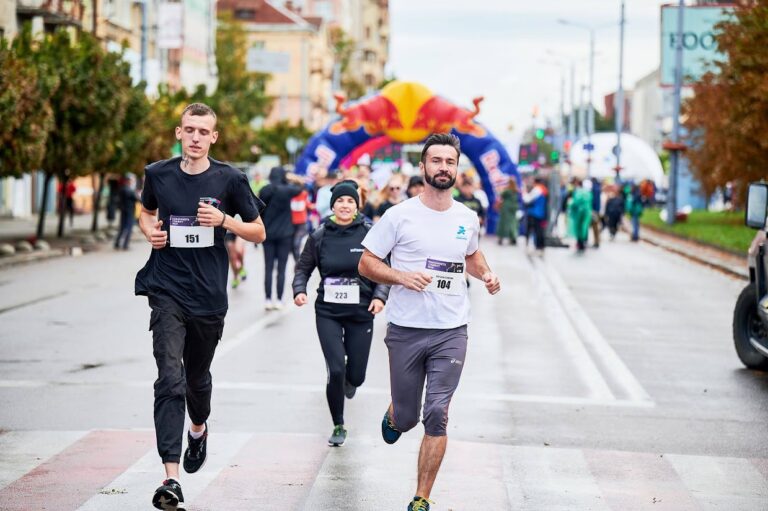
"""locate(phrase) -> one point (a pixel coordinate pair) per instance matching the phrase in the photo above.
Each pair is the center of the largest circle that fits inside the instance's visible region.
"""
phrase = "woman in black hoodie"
(346, 302)
(277, 196)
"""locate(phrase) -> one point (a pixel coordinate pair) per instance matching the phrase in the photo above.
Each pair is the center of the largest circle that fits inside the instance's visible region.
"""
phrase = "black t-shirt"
(472, 203)
(383, 207)
(195, 277)
(277, 213)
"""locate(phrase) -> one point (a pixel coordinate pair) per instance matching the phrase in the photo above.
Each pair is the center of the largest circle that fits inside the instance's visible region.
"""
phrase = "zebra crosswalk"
(119, 469)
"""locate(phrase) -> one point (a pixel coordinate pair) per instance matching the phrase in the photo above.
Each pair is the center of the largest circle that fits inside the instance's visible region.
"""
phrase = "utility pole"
(143, 68)
(582, 113)
(619, 98)
(675, 145)
(572, 116)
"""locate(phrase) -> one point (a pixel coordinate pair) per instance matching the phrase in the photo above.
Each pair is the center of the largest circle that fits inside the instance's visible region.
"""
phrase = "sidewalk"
(77, 239)
(722, 260)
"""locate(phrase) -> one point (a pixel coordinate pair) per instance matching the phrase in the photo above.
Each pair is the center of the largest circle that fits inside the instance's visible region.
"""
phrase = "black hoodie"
(335, 250)
(277, 197)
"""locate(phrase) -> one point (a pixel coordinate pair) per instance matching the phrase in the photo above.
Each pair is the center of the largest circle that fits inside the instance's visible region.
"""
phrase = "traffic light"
(554, 156)
(540, 134)
(524, 155)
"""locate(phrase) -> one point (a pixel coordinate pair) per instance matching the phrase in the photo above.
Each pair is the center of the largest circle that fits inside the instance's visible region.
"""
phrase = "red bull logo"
(440, 115)
(375, 115)
(406, 112)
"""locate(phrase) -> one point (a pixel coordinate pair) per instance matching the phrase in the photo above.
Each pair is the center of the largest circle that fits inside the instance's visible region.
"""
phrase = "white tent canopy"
(638, 160)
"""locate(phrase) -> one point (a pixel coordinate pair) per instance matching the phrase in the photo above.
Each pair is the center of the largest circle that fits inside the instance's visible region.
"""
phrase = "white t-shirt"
(437, 242)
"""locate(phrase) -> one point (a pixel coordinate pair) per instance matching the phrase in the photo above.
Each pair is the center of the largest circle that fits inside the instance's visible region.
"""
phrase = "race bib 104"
(447, 277)
(187, 233)
(341, 290)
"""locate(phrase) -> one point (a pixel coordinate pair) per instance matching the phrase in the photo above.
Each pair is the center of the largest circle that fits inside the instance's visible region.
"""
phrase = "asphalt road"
(606, 381)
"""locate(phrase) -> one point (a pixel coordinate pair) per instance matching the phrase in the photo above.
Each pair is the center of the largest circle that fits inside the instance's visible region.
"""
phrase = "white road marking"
(589, 334)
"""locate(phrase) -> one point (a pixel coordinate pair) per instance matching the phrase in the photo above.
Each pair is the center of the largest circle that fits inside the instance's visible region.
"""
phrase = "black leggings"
(276, 250)
(337, 339)
(536, 227)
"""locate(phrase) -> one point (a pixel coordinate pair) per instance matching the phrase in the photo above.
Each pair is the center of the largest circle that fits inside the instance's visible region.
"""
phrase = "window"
(258, 45)
(245, 14)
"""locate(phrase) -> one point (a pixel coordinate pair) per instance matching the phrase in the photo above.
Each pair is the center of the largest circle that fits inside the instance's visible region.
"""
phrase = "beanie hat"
(347, 187)
(415, 181)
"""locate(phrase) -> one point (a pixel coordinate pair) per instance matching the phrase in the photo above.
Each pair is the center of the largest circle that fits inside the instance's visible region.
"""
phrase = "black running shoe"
(196, 453)
(349, 389)
(168, 496)
(338, 436)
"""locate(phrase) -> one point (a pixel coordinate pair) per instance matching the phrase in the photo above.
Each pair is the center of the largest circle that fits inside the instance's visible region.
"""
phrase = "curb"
(681, 246)
(30, 257)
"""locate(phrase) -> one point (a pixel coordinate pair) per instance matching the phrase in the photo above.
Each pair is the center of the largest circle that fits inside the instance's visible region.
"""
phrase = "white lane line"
(569, 338)
(320, 389)
(589, 334)
(228, 344)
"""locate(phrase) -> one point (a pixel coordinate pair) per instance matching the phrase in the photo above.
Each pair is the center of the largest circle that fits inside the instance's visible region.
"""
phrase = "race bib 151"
(187, 233)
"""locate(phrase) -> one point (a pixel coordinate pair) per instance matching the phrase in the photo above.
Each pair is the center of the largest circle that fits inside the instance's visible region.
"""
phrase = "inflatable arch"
(408, 112)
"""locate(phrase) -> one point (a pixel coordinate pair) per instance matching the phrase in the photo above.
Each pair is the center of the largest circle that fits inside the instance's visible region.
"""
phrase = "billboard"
(170, 19)
(699, 44)
(262, 61)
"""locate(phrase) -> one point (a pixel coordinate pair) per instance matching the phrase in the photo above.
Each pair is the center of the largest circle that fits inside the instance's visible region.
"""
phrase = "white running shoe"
(269, 305)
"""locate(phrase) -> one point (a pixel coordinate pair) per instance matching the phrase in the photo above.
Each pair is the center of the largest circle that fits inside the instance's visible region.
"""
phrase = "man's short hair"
(199, 109)
(441, 139)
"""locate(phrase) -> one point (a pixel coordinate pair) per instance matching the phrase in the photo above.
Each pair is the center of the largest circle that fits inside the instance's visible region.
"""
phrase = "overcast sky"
(498, 49)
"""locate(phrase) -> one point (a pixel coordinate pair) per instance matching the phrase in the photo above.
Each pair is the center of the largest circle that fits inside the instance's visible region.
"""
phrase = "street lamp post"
(591, 112)
(619, 98)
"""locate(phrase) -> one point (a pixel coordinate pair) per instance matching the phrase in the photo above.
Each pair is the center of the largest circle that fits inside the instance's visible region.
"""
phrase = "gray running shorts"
(416, 354)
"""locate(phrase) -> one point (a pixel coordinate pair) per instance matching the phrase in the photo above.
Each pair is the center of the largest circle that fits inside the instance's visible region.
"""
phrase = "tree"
(272, 140)
(131, 150)
(87, 106)
(727, 119)
(240, 96)
(343, 48)
(24, 108)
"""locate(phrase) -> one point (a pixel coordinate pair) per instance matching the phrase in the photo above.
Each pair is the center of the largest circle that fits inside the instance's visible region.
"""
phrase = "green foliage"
(130, 149)
(728, 116)
(723, 229)
(27, 116)
(88, 104)
(343, 48)
(240, 95)
(272, 140)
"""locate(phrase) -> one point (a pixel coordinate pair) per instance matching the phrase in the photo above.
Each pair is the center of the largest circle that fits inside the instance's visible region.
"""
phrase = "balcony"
(53, 12)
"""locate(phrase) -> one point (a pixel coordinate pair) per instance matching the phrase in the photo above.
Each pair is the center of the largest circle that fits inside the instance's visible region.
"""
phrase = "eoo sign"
(699, 44)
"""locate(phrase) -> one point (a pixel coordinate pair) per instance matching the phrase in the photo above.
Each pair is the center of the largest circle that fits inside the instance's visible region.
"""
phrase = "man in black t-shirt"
(467, 197)
(188, 204)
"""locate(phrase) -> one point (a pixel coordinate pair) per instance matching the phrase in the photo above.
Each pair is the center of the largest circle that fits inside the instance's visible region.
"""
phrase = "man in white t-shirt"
(430, 239)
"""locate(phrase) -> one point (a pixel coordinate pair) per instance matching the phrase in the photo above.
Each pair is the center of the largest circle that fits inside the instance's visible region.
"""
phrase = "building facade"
(366, 22)
(186, 59)
(296, 51)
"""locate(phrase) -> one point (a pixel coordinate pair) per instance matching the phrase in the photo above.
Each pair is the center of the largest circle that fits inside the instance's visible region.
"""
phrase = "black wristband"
(223, 219)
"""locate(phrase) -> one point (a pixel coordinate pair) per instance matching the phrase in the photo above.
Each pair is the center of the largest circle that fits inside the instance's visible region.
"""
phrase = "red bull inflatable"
(408, 112)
